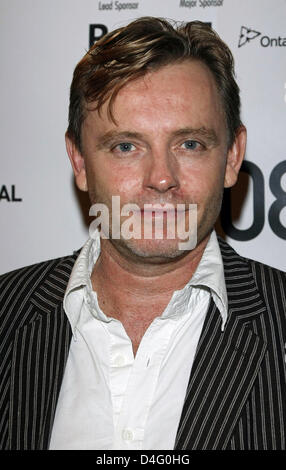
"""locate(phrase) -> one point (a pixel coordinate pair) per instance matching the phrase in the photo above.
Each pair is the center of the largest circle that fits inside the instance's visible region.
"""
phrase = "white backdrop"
(42, 40)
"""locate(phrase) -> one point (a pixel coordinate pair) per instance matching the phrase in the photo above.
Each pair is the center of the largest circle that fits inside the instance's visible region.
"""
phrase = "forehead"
(183, 77)
(182, 94)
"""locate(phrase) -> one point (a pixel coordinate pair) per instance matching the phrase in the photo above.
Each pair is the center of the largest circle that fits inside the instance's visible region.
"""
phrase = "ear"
(77, 162)
(235, 157)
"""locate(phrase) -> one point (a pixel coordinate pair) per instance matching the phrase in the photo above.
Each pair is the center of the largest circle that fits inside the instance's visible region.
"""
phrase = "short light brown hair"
(147, 44)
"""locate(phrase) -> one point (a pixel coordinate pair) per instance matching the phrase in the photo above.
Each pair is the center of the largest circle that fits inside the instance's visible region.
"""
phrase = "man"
(134, 342)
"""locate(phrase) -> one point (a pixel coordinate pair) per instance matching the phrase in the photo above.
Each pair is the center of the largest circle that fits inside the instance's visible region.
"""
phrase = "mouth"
(169, 210)
(161, 212)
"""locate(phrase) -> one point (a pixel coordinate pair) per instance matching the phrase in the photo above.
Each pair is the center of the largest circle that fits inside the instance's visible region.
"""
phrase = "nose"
(161, 173)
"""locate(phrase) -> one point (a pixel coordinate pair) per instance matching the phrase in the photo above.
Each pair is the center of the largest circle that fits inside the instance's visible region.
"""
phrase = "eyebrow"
(109, 136)
(209, 135)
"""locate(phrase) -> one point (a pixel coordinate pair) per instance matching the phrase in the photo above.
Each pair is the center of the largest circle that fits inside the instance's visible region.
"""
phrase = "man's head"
(144, 45)
(154, 119)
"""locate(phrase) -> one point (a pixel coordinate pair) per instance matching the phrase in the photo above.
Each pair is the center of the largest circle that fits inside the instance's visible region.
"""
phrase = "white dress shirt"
(110, 399)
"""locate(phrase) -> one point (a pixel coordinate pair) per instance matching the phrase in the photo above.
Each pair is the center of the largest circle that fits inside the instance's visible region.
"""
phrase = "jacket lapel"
(40, 352)
(226, 362)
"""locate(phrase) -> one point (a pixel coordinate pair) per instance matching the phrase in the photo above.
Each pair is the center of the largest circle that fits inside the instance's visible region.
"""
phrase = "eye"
(125, 147)
(191, 144)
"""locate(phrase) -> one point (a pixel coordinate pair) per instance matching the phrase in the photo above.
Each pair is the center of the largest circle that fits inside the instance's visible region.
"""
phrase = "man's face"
(168, 145)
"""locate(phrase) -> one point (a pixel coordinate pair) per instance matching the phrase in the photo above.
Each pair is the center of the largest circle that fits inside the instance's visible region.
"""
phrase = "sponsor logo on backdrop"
(96, 31)
(260, 209)
(248, 35)
(8, 193)
(118, 6)
(200, 3)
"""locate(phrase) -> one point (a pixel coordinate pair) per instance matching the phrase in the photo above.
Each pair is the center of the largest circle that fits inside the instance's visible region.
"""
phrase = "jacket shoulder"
(229, 254)
(45, 281)
(37, 272)
(270, 281)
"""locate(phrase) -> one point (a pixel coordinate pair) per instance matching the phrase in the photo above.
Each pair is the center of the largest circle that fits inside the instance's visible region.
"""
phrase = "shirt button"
(127, 435)
(119, 360)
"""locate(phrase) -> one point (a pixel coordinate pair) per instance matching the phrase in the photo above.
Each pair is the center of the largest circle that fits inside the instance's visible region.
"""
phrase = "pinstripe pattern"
(34, 343)
(236, 393)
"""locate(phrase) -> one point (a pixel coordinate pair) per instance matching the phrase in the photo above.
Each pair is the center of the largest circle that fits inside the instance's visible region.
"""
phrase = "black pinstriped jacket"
(236, 396)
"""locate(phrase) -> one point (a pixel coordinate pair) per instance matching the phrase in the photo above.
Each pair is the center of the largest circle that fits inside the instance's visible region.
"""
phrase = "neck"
(137, 292)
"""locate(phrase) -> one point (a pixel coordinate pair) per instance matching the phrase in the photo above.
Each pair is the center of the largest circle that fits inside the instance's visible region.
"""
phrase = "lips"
(162, 207)
(162, 211)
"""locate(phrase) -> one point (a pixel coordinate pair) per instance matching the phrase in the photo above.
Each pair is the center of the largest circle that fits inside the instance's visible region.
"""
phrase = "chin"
(152, 249)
